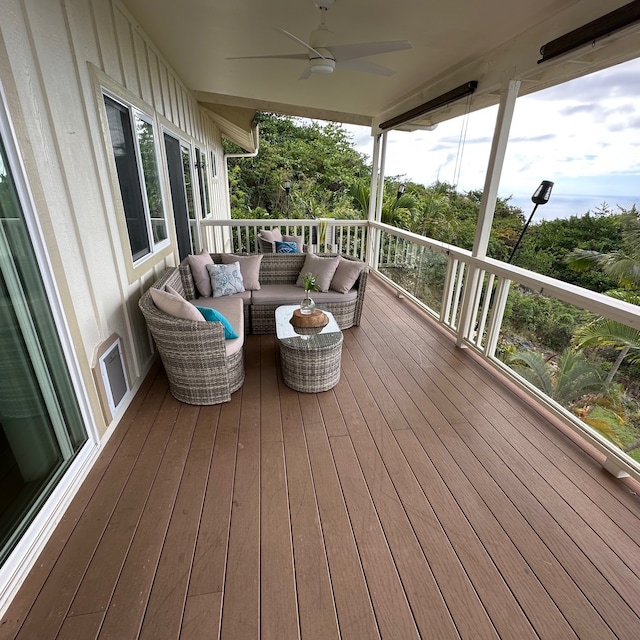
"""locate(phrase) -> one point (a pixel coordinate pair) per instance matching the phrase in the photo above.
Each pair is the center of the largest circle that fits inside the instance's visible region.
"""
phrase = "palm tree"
(623, 266)
(604, 332)
(396, 209)
(566, 380)
(435, 217)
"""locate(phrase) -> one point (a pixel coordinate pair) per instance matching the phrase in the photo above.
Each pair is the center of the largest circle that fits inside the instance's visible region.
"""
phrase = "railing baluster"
(495, 319)
(449, 287)
(457, 295)
(486, 305)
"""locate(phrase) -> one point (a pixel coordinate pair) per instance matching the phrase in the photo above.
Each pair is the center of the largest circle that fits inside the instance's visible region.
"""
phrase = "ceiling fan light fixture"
(322, 65)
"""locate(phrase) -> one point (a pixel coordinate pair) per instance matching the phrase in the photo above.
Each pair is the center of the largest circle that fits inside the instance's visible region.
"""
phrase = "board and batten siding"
(55, 56)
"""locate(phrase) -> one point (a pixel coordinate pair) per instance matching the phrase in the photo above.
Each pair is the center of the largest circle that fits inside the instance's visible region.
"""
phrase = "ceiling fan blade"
(366, 66)
(305, 74)
(284, 56)
(344, 52)
(302, 42)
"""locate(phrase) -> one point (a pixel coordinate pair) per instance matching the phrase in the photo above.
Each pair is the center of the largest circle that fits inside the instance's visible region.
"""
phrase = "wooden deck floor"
(419, 498)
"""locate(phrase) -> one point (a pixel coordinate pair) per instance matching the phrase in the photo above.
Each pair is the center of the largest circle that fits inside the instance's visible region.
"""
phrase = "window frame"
(204, 188)
(161, 248)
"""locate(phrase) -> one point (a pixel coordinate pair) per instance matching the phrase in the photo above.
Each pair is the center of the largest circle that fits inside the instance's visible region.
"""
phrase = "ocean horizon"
(567, 205)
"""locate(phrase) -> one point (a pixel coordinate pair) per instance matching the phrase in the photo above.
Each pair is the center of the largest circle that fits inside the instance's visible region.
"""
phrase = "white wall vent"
(112, 379)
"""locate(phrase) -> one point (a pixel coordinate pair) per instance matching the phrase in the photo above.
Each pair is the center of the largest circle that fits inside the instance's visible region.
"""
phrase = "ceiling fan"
(323, 57)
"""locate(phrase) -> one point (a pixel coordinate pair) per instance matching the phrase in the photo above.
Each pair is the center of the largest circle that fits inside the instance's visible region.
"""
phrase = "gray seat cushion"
(277, 294)
(232, 309)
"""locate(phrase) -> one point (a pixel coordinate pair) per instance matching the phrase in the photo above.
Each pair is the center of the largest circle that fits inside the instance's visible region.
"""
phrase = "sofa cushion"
(231, 308)
(211, 315)
(225, 279)
(245, 296)
(249, 268)
(277, 294)
(201, 278)
(346, 275)
(272, 235)
(299, 240)
(172, 303)
(322, 268)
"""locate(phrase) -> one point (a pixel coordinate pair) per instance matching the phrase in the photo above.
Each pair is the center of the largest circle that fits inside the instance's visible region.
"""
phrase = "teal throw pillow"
(226, 279)
(211, 315)
(286, 247)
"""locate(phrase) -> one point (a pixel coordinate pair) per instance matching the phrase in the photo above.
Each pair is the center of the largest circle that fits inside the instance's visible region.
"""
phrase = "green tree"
(566, 379)
(623, 265)
(396, 210)
(547, 245)
(317, 159)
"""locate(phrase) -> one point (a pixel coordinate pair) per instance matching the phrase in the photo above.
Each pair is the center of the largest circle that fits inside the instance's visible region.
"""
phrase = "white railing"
(470, 300)
(465, 294)
(348, 237)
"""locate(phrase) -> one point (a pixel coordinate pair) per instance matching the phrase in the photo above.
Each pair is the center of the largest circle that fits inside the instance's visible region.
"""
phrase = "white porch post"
(488, 205)
(375, 198)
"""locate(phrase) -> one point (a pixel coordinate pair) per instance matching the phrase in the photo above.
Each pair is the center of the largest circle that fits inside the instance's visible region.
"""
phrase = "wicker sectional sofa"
(201, 365)
(278, 275)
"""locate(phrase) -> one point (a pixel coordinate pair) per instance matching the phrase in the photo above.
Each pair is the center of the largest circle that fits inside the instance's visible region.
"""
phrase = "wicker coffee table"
(311, 362)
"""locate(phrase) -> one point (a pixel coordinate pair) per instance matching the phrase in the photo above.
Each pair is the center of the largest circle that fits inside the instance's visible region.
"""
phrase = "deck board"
(241, 594)
(423, 496)
(316, 606)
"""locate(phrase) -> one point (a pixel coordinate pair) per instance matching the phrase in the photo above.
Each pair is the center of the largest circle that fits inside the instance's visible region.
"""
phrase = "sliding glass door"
(41, 428)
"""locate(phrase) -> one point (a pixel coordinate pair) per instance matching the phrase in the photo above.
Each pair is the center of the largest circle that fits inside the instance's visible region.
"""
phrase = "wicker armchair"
(193, 353)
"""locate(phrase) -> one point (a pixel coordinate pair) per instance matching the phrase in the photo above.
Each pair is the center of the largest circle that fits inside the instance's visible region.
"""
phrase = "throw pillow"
(346, 275)
(286, 247)
(211, 315)
(201, 279)
(175, 305)
(272, 235)
(322, 268)
(225, 279)
(299, 240)
(249, 268)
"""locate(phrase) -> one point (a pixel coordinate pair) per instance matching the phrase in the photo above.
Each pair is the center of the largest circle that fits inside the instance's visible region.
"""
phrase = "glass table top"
(286, 332)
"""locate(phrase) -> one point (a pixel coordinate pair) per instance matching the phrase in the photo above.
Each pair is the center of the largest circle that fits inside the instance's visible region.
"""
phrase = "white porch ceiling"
(454, 41)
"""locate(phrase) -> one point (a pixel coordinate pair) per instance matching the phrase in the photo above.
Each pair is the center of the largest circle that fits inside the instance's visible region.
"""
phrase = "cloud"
(618, 81)
(583, 135)
(581, 108)
(541, 138)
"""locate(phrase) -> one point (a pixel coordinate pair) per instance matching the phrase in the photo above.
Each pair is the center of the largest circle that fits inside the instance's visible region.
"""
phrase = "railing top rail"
(282, 222)
(597, 303)
(423, 241)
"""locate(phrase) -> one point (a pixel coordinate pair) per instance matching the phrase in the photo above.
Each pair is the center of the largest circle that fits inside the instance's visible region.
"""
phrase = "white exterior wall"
(53, 56)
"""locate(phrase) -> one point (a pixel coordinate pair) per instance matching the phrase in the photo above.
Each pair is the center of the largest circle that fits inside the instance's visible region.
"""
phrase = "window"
(201, 163)
(134, 150)
(41, 425)
(188, 186)
(214, 169)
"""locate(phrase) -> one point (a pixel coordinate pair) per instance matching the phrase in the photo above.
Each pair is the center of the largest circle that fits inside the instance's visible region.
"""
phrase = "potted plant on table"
(310, 283)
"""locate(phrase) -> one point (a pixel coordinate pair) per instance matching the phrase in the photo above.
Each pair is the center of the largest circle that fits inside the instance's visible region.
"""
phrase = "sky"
(583, 135)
